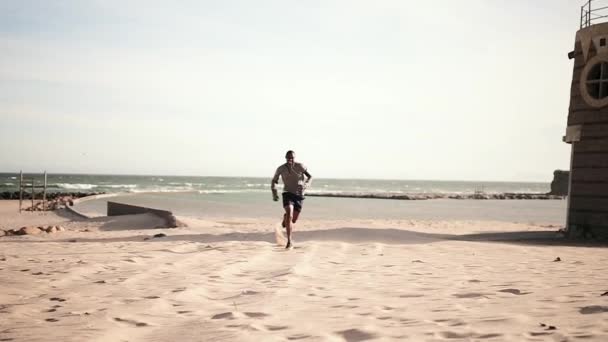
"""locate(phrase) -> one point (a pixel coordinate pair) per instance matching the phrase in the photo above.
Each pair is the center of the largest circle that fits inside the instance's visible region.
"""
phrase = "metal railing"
(594, 12)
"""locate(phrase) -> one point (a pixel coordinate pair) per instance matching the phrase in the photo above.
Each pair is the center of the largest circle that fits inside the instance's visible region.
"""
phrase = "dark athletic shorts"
(293, 199)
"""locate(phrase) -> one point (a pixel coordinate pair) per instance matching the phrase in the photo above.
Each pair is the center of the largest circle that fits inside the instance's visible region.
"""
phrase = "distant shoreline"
(13, 195)
(417, 197)
(8, 195)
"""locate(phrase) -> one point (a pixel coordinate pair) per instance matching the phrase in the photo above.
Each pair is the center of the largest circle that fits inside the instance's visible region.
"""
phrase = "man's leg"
(297, 209)
(288, 222)
(296, 214)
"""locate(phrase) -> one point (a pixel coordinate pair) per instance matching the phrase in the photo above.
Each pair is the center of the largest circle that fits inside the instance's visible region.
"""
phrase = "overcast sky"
(447, 90)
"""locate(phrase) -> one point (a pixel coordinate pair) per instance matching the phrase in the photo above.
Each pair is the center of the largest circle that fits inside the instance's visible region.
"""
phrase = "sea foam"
(69, 186)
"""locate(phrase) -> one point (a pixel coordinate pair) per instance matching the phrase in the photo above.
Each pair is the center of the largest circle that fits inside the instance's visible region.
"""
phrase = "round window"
(594, 81)
(597, 81)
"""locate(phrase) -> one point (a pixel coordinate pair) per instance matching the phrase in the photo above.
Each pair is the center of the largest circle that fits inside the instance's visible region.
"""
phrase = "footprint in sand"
(353, 335)
(547, 327)
(488, 336)
(256, 314)
(247, 292)
(466, 335)
(451, 334)
(469, 295)
(534, 334)
(297, 337)
(52, 320)
(130, 321)
(406, 321)
(411, 295)
(243, 326)
(344, 306)
(593, 309)
(276, 327)
(224, 315)
(449, 322)
(179, 289)
(515, 292)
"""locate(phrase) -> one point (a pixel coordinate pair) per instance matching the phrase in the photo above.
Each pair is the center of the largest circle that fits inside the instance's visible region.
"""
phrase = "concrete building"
(587, 129)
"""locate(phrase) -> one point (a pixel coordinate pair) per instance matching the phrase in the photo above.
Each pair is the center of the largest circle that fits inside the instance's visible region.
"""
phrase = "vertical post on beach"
(44, 193)
(20, 189)
(567, 227)
(33, 193)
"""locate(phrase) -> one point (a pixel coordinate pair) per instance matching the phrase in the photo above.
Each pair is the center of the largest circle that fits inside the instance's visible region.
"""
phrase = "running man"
(295, 181)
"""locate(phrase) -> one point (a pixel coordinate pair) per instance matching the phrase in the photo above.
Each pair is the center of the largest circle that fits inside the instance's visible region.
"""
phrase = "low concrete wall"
(83, 199)
(116, 209)
(76, 212)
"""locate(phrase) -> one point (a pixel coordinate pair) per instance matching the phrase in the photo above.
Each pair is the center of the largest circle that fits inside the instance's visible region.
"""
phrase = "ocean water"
(257, 205)
(250, 197)
(138, 184)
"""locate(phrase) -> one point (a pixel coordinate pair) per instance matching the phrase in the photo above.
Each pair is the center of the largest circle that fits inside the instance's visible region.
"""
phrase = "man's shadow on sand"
(391, 236)
(354, 235)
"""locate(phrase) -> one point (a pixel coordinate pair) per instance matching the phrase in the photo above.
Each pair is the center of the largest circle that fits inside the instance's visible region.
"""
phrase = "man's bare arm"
(273, 183)
(308, 176)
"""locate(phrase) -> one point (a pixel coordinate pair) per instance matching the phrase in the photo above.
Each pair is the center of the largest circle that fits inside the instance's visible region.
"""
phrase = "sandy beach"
(109, 279)
(449, 160)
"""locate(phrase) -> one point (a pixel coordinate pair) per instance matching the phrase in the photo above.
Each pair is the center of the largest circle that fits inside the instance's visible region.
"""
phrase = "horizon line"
(328, 178)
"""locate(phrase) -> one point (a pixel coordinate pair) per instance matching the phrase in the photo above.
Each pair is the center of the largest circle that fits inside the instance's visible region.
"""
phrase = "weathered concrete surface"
(116, 209)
